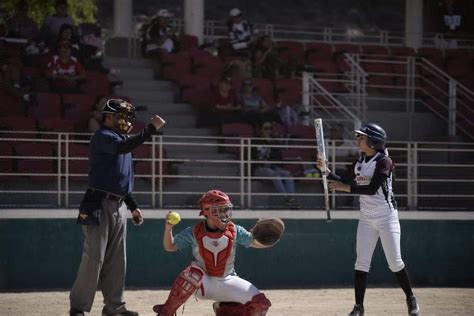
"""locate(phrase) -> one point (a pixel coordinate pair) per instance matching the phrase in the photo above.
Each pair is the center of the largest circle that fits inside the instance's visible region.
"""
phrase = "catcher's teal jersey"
(186, 238)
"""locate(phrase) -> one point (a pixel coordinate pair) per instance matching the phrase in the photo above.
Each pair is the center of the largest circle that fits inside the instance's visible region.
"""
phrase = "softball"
(173, 218)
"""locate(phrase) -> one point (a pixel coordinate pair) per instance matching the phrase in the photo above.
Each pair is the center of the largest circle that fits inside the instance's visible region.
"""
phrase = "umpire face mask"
(124, 122)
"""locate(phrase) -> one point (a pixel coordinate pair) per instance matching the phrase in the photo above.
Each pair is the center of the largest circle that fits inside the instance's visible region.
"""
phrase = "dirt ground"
(379, 301)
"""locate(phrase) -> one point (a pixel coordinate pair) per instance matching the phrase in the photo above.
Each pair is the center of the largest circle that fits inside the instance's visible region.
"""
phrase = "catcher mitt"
(268, 231)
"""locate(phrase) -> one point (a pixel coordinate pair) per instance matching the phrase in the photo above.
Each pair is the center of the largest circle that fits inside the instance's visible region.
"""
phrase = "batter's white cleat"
(358, 310)
(413, 308)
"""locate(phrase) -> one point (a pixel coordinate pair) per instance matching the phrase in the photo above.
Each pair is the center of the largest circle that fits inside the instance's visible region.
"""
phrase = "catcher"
(212, 275)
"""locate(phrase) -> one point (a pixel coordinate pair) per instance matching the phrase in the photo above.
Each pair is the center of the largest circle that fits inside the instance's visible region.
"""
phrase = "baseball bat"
(318, 127)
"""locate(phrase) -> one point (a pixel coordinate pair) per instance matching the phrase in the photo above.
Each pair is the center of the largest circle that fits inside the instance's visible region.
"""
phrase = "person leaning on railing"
(265, 151)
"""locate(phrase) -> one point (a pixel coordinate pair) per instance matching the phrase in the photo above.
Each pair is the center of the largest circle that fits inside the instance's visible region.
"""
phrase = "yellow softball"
(173, 218)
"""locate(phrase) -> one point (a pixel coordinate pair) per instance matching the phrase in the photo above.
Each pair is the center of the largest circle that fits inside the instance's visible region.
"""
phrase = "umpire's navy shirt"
(110, 170)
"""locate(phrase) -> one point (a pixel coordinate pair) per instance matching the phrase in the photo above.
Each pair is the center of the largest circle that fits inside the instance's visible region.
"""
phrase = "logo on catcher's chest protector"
(215, 245)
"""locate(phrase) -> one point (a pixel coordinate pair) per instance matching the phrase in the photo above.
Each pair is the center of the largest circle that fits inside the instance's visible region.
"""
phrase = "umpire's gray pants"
(103, 261)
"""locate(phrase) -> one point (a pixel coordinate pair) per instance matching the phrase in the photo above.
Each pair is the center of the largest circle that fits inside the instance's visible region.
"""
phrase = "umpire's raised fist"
(157, 121)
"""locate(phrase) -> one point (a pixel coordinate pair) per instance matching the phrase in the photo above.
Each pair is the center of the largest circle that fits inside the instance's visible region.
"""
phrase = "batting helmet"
(376, 135)
(125, 111)
(216, 205)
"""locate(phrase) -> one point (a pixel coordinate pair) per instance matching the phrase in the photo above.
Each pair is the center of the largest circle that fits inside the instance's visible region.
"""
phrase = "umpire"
(103, 211)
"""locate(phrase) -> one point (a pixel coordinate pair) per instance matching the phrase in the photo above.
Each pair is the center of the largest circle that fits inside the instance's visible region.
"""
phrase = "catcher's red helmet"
(216, 205)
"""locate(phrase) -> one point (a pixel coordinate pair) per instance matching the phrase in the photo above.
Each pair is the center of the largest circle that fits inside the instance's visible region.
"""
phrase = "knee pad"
(258, 306)
(188, 281)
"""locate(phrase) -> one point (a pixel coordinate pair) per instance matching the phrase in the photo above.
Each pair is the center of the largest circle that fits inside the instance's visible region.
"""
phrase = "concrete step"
(172, 120)
(161, 96)
(130, 74)
(204, 169)
(148, 85)
(424, 126)
(117, 62)
(188, 131)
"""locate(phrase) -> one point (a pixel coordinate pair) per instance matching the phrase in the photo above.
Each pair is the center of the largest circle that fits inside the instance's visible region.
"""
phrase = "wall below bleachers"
(45, 254)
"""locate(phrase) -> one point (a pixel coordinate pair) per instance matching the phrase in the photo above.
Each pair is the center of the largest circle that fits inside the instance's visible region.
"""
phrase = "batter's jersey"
(219, 247)
(383, 201)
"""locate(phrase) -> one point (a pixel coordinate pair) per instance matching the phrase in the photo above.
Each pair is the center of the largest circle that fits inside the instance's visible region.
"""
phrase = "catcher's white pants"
(368, 232)
(227, 289)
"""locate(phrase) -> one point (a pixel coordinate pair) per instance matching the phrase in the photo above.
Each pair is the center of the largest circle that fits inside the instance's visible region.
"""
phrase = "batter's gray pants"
(103, 261)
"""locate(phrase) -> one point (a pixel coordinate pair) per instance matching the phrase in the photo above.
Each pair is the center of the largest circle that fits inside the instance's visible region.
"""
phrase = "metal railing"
(178, 168)
(415, 81)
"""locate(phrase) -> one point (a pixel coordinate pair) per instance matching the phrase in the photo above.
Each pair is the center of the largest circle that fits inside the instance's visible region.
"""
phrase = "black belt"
(110, 196)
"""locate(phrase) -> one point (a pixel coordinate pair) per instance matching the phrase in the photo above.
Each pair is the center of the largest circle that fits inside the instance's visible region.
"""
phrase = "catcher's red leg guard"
(183, 287)
(258, 306)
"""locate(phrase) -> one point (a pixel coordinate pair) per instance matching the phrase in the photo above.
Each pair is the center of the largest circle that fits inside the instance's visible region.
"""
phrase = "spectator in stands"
(20, 25)
(287, 113)
(281, 178)
(66, 35)
(225, 102)
(95, 120)
(52, 23)
(266, 62)
(91, 46)
(65, 72)
(15, 82)
(159, 37)
(242, 34)
(253, 107)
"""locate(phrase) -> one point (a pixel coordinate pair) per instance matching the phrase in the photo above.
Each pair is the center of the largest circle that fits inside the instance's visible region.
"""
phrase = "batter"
(372, 179)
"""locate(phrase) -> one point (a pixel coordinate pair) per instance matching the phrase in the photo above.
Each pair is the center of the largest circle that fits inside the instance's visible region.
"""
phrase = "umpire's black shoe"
(124, 313)
(358, 310)
(413, 308)
(75, 312)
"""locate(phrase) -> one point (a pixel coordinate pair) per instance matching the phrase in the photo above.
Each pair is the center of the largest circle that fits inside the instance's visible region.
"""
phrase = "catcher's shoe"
(358, 310)
(158, 309)
(75, 312)
(413, 308)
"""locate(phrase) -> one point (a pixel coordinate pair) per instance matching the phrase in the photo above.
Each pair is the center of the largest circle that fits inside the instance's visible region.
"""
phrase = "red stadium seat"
(57, 125)
(43, 149)
(347, 48)
(35, 167)
(75, 165)
(18, 123)
(49, 106)
(174, 65)
(96, 84)
(237, 129)
(188, 42)
(315, 51)
(434, 55)
(200, 98)
(6, 164)
(290, 50)
(80, 102)
(193, 81)
(301, 131)
(11, 105)
(265, 89)
(324, 66)
(402, 51)
(375, 50)
(289, 85)
(293, 154)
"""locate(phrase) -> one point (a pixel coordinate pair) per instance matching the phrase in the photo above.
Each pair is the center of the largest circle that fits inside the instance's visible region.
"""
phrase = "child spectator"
(65, 71)
(288, 115)
(225, 102)
(253, 105)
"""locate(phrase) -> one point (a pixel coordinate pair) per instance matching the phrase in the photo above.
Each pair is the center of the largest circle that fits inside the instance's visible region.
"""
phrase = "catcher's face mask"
(124, 121)
(220, 215)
